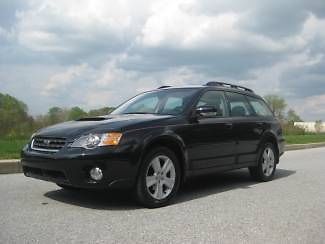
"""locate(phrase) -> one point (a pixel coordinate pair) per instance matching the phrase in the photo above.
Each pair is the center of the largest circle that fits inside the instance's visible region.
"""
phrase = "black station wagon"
(155, 141)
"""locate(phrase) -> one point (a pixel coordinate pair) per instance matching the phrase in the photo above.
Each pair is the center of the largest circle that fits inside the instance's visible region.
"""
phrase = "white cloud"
(7, 35)
(112, 50)
(73, 26)
(66, 25)
(269, 79)
(59, 81)
(113, 85)
(313, 107)
(175, 24)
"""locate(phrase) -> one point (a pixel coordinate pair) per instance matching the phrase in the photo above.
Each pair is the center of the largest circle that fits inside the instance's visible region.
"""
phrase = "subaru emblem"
(47, 142)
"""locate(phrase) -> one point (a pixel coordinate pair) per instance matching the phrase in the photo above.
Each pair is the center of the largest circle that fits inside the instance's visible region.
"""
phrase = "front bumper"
(72, 166)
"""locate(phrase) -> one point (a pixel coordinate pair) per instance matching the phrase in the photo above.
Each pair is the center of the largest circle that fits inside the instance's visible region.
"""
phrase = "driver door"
(212, 142)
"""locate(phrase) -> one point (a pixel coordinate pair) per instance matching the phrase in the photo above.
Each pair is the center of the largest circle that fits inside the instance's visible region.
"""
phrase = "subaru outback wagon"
(155, 141)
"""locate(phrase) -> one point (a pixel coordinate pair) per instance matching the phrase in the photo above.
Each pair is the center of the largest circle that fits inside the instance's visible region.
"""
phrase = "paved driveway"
(224, 208)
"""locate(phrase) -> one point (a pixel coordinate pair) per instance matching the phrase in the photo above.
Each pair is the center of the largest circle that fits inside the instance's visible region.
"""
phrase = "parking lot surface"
(221, 208)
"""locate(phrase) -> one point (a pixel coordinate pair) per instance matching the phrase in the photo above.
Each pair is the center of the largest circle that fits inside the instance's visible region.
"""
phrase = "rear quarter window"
(259, 107)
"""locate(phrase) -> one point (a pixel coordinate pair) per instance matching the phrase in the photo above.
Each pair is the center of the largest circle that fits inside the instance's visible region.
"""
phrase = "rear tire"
(267, 161)
(159, 178)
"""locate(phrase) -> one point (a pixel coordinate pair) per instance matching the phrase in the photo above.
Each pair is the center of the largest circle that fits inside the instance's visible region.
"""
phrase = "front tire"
(159, 178)
(267, 161)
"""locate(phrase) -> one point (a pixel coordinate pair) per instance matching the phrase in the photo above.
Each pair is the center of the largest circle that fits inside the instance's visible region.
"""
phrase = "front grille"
(48, 144)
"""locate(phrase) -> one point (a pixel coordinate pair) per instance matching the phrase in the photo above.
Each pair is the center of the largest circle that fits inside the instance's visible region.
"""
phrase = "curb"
(12, 166)
(303, 146)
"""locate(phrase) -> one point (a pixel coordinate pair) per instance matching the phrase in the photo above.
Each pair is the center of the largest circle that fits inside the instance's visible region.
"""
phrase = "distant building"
(309, 126)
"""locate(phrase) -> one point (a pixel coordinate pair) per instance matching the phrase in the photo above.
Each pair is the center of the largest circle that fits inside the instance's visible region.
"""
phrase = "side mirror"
(208, 111)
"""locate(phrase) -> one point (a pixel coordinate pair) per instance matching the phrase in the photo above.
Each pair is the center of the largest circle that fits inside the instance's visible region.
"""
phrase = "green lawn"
(303, 139)
(10, 148)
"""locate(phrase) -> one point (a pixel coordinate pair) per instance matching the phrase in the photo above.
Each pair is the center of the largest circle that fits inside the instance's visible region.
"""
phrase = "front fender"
(168, 138)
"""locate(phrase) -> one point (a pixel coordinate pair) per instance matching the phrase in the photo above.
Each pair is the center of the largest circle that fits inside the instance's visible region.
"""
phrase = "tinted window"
(239, 106)
(215, 99)
(259, 107)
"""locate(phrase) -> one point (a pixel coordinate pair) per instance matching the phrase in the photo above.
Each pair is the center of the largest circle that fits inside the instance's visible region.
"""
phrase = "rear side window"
(239, 106)
(259, 107)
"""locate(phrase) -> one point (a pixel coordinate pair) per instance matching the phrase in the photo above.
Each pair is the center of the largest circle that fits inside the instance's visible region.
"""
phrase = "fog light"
(96, 173)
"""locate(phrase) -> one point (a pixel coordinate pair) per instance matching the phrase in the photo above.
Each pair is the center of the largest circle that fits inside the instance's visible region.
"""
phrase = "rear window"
(259, 107)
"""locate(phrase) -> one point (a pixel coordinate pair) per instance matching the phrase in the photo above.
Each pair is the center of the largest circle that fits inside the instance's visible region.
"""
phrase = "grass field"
(10, 148)
(303, 139)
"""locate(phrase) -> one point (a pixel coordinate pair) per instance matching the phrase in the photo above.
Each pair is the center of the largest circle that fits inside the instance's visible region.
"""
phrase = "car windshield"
(169, 101)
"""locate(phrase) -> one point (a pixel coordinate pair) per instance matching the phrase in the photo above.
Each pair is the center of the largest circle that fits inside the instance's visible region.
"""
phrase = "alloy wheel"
(268, 161)
(160, 177)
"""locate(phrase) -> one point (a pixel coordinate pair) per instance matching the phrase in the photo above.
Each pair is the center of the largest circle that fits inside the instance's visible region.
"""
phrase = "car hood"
(72, 129)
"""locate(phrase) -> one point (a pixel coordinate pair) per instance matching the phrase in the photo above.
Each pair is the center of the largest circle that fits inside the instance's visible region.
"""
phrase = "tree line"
(279, 107)
(16, 122)
(286, 116)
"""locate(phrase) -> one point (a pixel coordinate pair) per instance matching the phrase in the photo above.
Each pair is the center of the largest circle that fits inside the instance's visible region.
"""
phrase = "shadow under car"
(194, 188)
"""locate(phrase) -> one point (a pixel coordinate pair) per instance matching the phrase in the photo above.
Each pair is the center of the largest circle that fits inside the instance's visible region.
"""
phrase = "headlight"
(97, 140)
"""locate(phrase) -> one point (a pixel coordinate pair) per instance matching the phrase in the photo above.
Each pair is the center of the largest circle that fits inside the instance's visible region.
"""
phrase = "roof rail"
(218, 83)
(162, 87)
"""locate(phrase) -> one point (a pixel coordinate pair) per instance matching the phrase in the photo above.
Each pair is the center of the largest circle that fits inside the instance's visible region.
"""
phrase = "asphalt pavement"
(221, 208)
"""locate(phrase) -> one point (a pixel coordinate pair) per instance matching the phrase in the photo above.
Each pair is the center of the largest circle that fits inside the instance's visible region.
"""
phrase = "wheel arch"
(270, 137)
(172, 142)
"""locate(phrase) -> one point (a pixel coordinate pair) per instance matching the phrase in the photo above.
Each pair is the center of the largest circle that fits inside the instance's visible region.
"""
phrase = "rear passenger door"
(246, 129)
(263, 115)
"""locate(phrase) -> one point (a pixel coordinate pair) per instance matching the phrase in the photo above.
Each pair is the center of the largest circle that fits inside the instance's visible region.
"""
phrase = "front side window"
(260, 108)
(239, 106)
(169, 101)
(215, 99)
(173, 105)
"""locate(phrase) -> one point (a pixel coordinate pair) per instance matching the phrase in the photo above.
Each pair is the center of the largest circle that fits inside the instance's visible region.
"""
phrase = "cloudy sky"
(92, 53)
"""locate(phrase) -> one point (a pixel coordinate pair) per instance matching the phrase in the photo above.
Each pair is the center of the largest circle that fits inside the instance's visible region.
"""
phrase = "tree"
(15, 122)
(56, 115)
(101, 111)
(277, 104)
(292, 116)
(76, 113)
(14, 119)
(318, 126)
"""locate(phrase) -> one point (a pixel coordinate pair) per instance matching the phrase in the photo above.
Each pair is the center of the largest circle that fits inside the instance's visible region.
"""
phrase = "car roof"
(229, 87)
